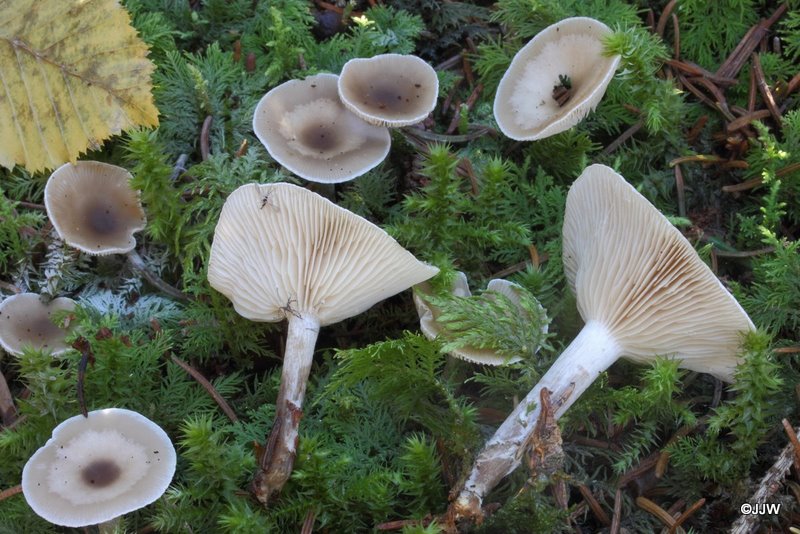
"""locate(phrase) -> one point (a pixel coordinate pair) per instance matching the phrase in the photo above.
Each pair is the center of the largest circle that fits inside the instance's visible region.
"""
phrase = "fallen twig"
(763, 87)
(5, 494)
(208, 386)
(597, 510)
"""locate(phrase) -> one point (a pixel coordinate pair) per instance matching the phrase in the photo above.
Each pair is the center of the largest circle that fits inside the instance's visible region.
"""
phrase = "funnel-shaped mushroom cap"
(93, 208)
(27, 321)
(281, 249)
(98, 467)
(431, 327)
(390, 89)
(305, 128)
(524, 106)
(634, 272)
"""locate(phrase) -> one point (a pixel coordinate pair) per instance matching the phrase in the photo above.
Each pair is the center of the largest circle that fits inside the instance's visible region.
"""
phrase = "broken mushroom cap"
(99, 467)
(431, 327)
(93, 207)
(390, 90)
(665, 300)
(529, 105)
(26, 320)
(279, 247)
(305, 128)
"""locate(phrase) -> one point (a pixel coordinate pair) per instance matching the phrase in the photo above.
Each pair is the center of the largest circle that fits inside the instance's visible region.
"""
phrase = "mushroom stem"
(277, 458)
(589, 354)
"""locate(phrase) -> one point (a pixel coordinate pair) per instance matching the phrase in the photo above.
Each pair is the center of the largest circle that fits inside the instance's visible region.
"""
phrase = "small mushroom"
(642, 290)
(283, 252)
(390, 90)
(555, 80)
(429, 314)
(97, 468)
(305, 128)
(26, 320)
(93, 208)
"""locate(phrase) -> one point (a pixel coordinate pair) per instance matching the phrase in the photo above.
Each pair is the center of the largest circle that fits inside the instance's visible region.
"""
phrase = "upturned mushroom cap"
(634, 273)
(431, 327)
(25, 320)
(93, 208)
(524, 106)
(280, 249)
(98, 467)
(390, 90)
(305, 128)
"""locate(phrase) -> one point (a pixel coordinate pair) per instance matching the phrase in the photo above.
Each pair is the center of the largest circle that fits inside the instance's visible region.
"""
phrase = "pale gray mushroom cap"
(524, 107)
(306, 128)
(25, 320)
(280, 249)
(93, 207)
(390, 90)
(98, 467)
(431, 328)
(634, 273)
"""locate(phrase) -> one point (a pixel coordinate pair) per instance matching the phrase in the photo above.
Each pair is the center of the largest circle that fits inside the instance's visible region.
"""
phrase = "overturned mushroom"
(93, 208)
(555, 80)
(431, 327)
(305, 128)
(27, 320)
(390, 90)
(642, 290)
(282, 252)
(97, 468)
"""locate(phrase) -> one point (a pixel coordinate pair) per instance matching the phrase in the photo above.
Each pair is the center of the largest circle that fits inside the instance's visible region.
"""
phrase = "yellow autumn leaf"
(72, 74)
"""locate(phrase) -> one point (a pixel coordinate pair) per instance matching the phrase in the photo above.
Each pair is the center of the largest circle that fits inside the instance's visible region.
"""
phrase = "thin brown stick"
(743, 253)
(208, 386)
(686, 515)
(763, 87)
(736, 60)
(308, 522)
(137, 262)
(656, 511)
(701, 158)
(676, 39)
(31, 205)
(204, 134)
(624, 136)
(751, 92)
(617, 517)
(662, 20)
(794, 441)
(10, 492)
(692, 69)
(679, 187)
(745, 120)
(597, 510)
(743, 186)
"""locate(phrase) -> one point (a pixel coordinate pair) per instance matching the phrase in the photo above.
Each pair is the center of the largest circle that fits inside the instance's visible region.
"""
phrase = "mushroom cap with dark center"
(299, 253)
(390, 89)
(305, 128)
(26, 320)
(93, 208)
(633, 272)
(524, 107)
(99, 467)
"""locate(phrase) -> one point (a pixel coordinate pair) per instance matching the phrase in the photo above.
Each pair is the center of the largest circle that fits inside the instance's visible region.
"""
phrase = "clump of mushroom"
(431, 319)
(555, 80)
(283, 252)
(306, 128)
(27, 320)
(97, 468)
(641, 289)
(389, 90)
(93, 208)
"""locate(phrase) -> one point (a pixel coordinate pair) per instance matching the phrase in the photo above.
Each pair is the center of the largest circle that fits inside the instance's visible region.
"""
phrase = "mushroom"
(283, 252)
(641, 289)
(26, 320)
(429, 314)
(555, 80)
(305, 128)
(390, 90)
(93, 208)
(97, 468)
